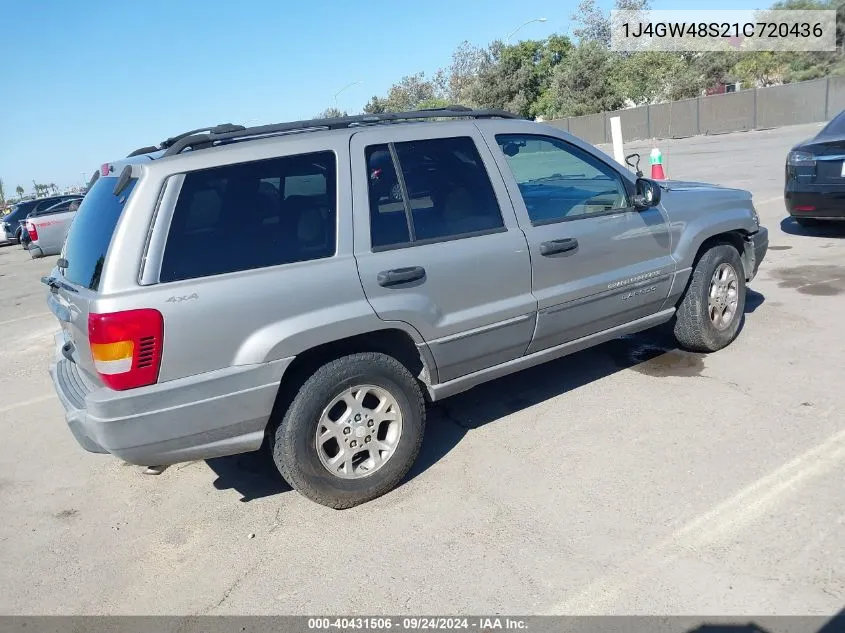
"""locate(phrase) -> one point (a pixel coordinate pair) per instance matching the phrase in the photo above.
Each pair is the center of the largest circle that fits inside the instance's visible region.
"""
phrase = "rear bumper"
(218, 413)
(816, 204)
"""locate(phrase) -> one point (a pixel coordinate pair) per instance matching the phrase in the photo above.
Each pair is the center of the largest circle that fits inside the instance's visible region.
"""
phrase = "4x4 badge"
(181, 299)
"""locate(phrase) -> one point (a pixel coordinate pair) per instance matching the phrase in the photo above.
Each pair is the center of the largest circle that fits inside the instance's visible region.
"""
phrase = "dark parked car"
(815, 176)
(10, 225)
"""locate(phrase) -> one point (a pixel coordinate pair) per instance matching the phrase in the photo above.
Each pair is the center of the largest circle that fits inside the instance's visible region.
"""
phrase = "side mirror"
(647, 194)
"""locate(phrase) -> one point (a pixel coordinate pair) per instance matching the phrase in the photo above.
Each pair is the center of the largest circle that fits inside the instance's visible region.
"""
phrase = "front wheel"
(352, 432)
(713, 306)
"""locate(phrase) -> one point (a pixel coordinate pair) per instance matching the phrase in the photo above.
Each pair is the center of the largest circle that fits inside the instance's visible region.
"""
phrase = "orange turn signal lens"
(112, 351)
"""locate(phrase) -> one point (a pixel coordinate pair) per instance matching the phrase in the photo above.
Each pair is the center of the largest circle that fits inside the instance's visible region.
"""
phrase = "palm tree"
(54, 188)
(2, 193)
(19, 191)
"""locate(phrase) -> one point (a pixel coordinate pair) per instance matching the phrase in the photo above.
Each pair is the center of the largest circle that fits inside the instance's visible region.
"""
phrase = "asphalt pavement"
(632, 478)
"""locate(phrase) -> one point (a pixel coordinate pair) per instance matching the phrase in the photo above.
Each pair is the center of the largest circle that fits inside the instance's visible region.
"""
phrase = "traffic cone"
(656, 160)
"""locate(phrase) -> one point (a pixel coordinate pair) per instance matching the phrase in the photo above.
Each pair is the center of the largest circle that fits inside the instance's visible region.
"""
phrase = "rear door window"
(91, 232)
(252, 215)
(443, 193)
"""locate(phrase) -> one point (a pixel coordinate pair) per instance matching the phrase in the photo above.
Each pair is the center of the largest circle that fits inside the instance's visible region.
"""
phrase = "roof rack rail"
(216, 129)
(211, 136)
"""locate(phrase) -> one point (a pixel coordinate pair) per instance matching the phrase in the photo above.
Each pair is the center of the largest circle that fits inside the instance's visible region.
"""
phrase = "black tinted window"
(91, 232)
(388, 220)
(447, 192)
(252, 215)
(56, 208)
(836, 126)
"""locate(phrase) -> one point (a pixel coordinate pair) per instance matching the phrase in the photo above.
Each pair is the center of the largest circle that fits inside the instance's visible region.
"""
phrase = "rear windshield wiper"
(54, 284)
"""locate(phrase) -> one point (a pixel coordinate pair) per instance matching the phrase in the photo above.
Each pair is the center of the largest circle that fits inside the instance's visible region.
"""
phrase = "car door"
(438, 246)
(597, 263)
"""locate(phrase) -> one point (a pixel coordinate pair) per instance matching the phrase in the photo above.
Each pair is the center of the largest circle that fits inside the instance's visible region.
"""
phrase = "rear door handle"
(397, 276)
(558, 246)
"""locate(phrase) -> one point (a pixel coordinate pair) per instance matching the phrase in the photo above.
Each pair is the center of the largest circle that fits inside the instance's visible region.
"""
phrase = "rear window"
(91, 232)
(836, 126)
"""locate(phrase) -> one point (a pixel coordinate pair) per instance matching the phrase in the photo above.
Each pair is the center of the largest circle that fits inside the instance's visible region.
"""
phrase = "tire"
(807, 222)
(18, 236)
(694, 328)
(295, 443)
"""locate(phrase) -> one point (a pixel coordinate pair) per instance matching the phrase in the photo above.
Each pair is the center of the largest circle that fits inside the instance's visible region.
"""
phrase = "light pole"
(354, 83)
(512, 33)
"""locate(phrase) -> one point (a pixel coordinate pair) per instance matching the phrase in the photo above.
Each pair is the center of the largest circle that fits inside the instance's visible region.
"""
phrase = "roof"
(226, 133)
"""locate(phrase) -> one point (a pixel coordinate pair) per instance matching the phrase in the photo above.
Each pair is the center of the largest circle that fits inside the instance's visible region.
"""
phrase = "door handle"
(397, 276)
(558, 246)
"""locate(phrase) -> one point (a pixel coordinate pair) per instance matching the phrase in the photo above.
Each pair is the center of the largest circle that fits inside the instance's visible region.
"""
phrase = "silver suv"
(389, 261)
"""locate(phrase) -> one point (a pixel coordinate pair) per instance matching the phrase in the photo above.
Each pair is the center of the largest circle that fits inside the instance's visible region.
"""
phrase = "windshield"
(91, 232)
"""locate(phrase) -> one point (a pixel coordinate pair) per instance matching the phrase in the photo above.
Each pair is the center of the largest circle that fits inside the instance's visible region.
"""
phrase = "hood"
(687, 185)
(674, 188)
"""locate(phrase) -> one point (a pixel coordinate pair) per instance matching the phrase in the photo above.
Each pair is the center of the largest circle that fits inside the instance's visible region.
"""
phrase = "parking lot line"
(26, 318)
(720, 524)
(26, 403)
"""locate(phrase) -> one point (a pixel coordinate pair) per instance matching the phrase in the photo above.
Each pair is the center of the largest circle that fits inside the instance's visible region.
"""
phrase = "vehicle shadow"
(253, 475)
(653, 353)
(825, 229)
(804, 624)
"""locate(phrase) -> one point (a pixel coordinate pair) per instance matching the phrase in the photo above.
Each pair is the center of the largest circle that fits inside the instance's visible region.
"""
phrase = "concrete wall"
(835, 96)
(677, 119)
(792, 103)
(730, 112)
(591, 128)
(805, 102)
(634, 122)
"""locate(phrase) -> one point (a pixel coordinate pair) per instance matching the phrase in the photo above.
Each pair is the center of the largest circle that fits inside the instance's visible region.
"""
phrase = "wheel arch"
(392, 341)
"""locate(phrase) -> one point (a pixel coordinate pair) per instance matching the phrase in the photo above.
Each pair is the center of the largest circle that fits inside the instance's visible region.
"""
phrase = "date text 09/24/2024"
(416, 623)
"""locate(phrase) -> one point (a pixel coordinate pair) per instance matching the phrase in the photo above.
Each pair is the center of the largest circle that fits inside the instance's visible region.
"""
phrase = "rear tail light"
(33, 232)
(800, 159)
(126, 347)
(805, 207)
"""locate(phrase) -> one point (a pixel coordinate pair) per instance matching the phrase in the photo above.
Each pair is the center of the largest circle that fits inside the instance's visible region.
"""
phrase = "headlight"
(800, 159)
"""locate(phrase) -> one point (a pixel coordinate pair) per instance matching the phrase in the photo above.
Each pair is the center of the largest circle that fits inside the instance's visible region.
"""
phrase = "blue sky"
(83, 82)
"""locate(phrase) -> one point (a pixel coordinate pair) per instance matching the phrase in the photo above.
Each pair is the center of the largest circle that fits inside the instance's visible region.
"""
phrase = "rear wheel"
(713, 306)
(352, 432)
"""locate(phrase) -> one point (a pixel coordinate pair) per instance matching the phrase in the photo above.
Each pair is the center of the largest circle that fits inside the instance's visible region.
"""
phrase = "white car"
(48, 229)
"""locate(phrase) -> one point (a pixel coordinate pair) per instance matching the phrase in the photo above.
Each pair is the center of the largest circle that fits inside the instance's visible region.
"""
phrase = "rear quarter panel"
(240, 318)
(52, 231)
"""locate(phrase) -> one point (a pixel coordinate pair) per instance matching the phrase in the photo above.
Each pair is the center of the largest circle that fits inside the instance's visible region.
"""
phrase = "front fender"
(697, 215)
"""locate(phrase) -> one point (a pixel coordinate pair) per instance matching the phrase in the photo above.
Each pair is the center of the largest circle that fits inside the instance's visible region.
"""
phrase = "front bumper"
(756, 247)
(217, 413)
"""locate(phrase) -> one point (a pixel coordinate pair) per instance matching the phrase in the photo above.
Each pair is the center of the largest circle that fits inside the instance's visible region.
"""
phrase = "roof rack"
(207, 137)
(221, 128)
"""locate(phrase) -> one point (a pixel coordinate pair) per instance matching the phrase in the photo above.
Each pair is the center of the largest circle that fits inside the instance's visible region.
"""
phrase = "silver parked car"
(47, 229)
(391, 260)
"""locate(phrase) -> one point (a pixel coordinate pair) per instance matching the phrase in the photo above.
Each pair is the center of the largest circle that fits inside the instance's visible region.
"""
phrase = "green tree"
(331, 113)
(455, 82)
(2, 193)
(20, 191)
(587, 83)
(515, 78)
